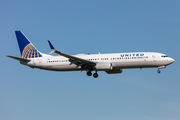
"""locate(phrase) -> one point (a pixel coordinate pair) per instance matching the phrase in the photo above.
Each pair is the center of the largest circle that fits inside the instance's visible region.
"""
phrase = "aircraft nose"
(171, 60)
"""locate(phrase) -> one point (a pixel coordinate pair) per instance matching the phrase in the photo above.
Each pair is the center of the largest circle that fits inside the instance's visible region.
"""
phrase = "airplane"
(110, 63)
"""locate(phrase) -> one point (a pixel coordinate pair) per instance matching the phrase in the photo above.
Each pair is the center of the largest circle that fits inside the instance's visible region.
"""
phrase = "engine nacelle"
(114, 71)
(103, 66)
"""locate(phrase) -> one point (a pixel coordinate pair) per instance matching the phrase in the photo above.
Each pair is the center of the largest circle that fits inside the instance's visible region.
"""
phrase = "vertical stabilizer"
(27, 49)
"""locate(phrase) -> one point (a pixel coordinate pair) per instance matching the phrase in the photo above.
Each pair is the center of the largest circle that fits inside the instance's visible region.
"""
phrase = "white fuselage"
(116, 60)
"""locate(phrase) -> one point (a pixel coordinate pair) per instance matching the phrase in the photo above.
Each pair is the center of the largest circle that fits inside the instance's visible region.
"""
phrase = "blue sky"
(94, 26)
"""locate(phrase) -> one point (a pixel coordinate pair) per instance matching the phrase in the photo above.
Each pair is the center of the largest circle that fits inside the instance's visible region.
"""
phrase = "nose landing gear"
(160, 67)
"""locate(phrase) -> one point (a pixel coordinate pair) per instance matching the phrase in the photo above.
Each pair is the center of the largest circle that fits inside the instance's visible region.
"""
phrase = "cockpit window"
(164, 56)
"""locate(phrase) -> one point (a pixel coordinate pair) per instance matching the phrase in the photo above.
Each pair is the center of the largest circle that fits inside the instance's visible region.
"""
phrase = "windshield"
(164, 56)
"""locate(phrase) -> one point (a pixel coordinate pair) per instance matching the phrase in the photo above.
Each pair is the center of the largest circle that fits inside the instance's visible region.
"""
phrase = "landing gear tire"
(158, 71)
(89, 73)
(95, 75)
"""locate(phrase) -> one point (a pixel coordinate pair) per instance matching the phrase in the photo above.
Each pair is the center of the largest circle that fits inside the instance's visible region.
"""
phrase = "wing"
(19, 59)
(74, 60)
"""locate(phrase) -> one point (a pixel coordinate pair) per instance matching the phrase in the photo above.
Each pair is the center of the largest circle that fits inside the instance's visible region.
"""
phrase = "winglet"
(51, 46)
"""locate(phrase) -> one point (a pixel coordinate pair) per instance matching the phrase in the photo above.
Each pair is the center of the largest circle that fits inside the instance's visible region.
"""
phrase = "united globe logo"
(30, 52)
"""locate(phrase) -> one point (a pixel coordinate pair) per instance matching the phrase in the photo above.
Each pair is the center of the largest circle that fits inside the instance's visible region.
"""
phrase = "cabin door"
(154, 57)
(39, 62)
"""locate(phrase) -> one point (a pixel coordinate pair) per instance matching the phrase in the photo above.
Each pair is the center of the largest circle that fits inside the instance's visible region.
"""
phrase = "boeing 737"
(110, 63)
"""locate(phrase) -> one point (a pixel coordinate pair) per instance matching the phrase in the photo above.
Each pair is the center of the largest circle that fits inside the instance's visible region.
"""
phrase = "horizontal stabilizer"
(19, 59)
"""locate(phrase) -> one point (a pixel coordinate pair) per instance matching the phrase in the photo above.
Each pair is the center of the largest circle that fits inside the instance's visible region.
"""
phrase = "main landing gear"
(95, 75)
(89, 73)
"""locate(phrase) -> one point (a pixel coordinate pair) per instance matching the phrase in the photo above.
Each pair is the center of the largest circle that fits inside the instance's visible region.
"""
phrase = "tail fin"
(27, 49)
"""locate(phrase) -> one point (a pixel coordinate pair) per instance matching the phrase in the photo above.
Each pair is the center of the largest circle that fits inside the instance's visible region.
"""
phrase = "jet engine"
(103, 66)
(114, 71)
